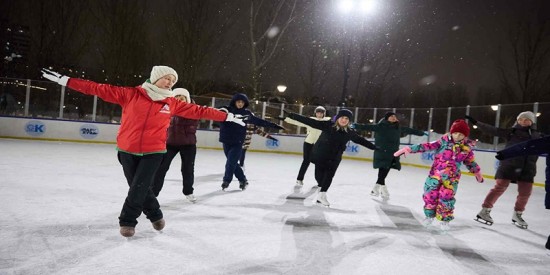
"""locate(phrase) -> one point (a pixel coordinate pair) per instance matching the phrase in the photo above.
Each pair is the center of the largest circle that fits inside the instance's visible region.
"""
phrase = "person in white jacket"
(311, 137)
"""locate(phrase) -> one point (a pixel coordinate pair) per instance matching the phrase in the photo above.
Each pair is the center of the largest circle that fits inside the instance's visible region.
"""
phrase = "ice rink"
(61, 201)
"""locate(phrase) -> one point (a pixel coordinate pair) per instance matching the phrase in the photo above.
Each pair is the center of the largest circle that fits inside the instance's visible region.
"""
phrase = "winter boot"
(384, 192)
(427, 221)
(159, 225)
(445, 227)
(127, 231)
(225, 184)
(243, 184)
(299, 182)
(191, 198)
(518, 220)
(484, 216)
(322, 199)
(376, 190)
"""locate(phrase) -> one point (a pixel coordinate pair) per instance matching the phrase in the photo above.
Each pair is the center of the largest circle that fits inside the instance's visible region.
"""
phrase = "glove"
(499, 156)
(55, 77)
(404, 151)
(353, 125)
(235, 118)
(479, 177)
(471, 119)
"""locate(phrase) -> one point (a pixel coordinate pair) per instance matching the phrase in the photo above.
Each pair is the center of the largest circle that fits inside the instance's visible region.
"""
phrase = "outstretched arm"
(317, 124)
(530, 147)
(359, 140)
(411, 131)
(261, 122)
(365, 127)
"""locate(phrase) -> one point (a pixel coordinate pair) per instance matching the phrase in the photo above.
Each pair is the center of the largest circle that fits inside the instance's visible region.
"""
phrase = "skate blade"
(480, 220)
(519, 225)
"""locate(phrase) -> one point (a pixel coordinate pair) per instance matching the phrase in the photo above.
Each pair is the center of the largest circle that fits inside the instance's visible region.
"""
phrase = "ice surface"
(60, 203)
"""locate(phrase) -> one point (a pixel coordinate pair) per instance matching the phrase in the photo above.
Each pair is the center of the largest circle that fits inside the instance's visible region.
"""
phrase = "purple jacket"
(182, 131)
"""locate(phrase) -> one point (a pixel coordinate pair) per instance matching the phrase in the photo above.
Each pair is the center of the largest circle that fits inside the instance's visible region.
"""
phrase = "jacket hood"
(239, 96)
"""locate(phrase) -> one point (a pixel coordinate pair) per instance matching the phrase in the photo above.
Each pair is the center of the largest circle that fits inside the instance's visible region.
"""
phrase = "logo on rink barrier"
(272, 144)
(428, 157)
(35, 128)
(352, 148)
(88, 131)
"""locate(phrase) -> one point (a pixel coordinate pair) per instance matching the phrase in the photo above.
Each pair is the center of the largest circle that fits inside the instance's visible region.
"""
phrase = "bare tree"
(268, 21)
(197, 29)
(524, 62)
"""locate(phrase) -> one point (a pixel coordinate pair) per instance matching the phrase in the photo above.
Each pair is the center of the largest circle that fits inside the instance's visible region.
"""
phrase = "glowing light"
(345, 6)
(281, 88)
(494, 107)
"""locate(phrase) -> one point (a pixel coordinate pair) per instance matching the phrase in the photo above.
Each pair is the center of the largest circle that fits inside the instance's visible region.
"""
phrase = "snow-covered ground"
(60, 203)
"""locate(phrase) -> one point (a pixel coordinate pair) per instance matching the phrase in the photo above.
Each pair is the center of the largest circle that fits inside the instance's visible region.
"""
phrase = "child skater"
(387, 136)
(182, 139)
(250, 130)
(451, 151)
(327, 151)
(521, 170)
(232, 137)
(532, 147)
(141, 139)
(312, 135)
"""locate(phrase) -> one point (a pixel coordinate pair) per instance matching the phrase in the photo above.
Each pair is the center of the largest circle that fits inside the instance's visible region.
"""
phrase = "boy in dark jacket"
(327, 151)
(518, 169)
(532, 147)
(233, 136)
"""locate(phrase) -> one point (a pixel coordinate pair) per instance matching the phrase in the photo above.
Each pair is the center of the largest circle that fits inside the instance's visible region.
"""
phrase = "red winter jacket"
(144, 121)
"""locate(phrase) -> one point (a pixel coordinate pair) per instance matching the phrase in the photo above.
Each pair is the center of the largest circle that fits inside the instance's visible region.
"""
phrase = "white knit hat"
(183, 92)
(159, 71)
(528, 115)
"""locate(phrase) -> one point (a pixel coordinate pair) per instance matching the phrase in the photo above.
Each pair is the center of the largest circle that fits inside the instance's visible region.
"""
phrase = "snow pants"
(439, 197)
(139, 172)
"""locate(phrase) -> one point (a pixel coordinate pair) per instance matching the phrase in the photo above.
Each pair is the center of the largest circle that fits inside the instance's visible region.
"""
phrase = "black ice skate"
(484, 216)
(225, 184)
(243, 185)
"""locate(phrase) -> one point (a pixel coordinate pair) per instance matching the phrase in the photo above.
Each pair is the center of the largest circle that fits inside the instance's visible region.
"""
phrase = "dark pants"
(382, 174)
(233, 154)
(241, 160)
(325, 171)
(139, 172)
(187, 154)
(308, 147)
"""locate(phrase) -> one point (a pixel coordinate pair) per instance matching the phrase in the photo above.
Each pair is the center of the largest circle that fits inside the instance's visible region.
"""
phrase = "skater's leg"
(446, 204)
(241, 159)
(306, 161)
(430, 196)
(382, 174)
(524, 192)
(233, 153)
(188, 155)
(160, 175)
(330, 171)
(500, 186)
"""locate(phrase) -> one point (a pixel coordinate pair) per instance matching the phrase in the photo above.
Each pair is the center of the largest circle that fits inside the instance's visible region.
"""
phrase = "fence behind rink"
(44, 99)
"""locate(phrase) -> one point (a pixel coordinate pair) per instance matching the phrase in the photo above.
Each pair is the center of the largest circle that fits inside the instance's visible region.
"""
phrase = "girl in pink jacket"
(451, 151)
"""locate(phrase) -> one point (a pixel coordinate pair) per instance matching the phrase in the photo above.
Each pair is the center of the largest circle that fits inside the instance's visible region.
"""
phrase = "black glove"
(471, 119)
(499, 156)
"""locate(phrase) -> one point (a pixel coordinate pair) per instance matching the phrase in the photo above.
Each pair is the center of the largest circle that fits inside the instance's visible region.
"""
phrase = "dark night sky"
(452, 41)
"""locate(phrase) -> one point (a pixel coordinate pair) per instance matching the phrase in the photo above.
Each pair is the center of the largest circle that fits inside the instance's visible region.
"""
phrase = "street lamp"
(281, 88)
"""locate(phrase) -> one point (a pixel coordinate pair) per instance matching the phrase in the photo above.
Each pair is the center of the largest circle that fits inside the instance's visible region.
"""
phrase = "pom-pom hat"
(460, 126)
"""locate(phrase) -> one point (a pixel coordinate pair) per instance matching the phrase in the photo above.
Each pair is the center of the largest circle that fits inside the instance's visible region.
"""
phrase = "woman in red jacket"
(141, 139)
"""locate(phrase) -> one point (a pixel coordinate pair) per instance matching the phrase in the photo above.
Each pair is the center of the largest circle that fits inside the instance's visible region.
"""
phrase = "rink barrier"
(105, 133)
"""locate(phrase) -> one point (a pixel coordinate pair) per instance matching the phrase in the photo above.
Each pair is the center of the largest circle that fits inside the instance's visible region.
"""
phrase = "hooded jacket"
(144, 121)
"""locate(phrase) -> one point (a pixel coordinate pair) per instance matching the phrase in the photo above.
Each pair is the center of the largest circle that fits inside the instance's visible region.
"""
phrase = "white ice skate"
(191, 198)
(384, 192)
(322, 199)
(518, 220)
(484, 216)
(445, 227)
(427, 221)
(376, 190)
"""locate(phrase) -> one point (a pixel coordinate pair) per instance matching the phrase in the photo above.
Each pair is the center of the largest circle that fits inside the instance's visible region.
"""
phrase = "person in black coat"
(520, 170)
(233, 138)
(327, 151)
(532, 147)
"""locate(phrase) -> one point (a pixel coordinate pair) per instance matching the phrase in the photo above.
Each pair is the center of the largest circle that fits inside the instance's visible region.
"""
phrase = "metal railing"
(44, 99)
